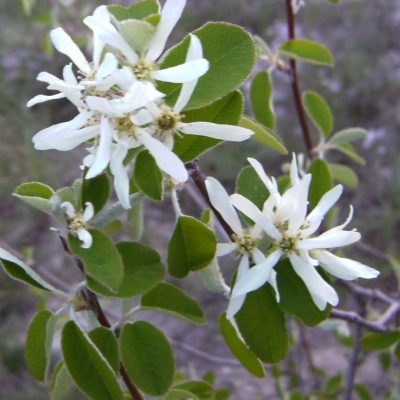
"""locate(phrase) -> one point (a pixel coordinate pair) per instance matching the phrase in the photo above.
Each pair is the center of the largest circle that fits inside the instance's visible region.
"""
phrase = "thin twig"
(389, 314)
(371, 294)
(295, 82)
(199, 179)
(356, 319)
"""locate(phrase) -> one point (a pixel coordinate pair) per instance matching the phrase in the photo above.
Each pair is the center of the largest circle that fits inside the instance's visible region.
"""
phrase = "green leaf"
(334, 384)
(350, 151)
(344, 174)
(35, 194)
(22, 272)
(61, 382)
(102, 260)
(380, 341)
(168, 298)
(397, 351)
(96, 191)
(141, 272)
(239, 349)
(362, 392)
(223, 111)
(148, 176)
(139, 10)
(262, 325)
(87, 366)
(72, 194)
(263, 135)
(38, 344)
(395, 264)
(137, 33)
(135, 217)
(347, 135)
(191, 247)
(334, 1)
(230, 52)
(319, 112)
(385, 360)
(198, 389)
(321, 181)
(106, 342)
(261, 92)
(147, 357)
(295, 298)
(306, 50)
(27, 6)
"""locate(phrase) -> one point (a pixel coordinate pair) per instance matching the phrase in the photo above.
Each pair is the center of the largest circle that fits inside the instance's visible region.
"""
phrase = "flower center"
(76, 223)
(125, 127)
(287, 244)
(245, 244)
(142, 70)
(83, 76)
(167, 122)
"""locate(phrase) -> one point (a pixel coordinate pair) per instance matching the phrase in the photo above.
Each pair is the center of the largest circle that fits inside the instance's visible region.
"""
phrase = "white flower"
(77, 222)
(284, 218)
(167, 120)
(245, 241)
(144, 65)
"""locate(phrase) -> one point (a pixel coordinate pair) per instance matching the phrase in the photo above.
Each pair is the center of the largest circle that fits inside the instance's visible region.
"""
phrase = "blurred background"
(362, 90)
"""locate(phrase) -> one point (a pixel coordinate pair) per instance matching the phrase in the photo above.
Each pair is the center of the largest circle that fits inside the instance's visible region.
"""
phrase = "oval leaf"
(380, 341)
(141, 272)
(263, 135)
(239, 349)
(344, 174)
(87, 366)
(191, 247)
(230, 51)
(102, 261)
(147, 357)
(347, 135)
(168, 298)
(306, 50)
(262, 325)
(261, 99)
(292, 288)
(96, 191)
(148, 177)
(139, 10)
(38, 344)
(35, 194)
(61, 382)
(319, 112)
(198, 389)
(321, 181)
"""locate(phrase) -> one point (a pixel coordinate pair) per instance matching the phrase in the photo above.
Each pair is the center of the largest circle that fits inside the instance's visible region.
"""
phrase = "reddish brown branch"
(291, 24)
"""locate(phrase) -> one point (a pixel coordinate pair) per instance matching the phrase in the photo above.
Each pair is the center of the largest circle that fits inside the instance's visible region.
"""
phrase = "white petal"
(89, 212)
(103, 105)
(235, 304)
(182, 73)
(250, 209)
(258, 256)
(101, 14)
(221, 201)
(272, 188)
(40, 98)
(108, 66)
(299, 210)
(69, 140)
(48, 78)
(243, 267)
(331, 239)
(69, 76)
(85, 237)
(71, 93)
(326, 203)
(103, 153)
(216, 131)
(294, 174)
(342, 226)
(345, 268)
(121, 179)
(225, 248)
(143, 117)
(64, 44)
(273, 282)
(195, 52)
(170, 15)
(69, 209)
(321, 292)
(165, 159)
(107, 33)
(154, 109)
(256, 277)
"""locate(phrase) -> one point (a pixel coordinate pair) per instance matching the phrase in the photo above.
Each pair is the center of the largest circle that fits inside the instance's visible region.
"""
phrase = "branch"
(370, 294)
(295, 83)
(354, 318)
(92, 303)
(199, 179)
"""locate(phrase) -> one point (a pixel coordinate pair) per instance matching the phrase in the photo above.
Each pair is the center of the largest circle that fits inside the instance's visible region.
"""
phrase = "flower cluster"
(285, 222)
(119, 106)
